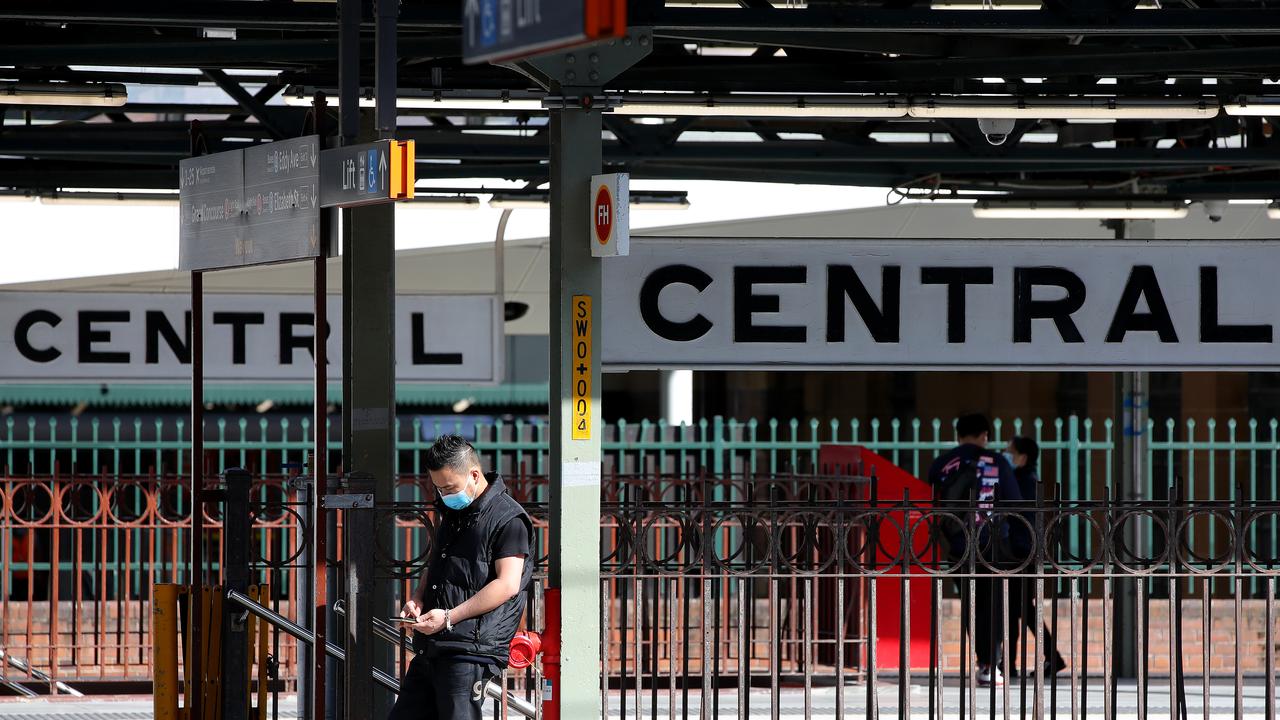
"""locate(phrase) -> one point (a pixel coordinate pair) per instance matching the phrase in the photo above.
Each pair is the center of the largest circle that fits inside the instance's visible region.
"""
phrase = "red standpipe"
(525, 647)
(551, 657)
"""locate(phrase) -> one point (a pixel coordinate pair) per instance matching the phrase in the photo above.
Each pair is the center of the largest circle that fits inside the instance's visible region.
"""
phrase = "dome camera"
(996, 130)
(1214, 209)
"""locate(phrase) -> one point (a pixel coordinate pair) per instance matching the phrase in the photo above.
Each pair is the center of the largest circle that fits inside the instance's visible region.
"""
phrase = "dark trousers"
(988, 605)
(1022, 621)
(439, 689)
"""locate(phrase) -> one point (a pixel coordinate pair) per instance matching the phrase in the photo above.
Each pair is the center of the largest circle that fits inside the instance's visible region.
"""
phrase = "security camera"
(996, 131)
(1214, 209)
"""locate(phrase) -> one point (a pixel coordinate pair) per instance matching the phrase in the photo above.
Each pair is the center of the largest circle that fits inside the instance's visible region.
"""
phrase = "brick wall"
(1222, 647)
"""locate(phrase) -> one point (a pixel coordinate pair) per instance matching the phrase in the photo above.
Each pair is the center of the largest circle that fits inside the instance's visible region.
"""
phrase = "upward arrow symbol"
(382, 167)
(471, 10)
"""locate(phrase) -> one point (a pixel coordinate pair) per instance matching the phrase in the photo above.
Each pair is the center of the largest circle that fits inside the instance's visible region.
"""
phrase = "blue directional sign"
(498, 30)
(375, 172)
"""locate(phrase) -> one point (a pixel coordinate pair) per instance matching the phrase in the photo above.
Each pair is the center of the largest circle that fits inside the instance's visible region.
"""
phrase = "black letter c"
(653, 286)
(24, 343)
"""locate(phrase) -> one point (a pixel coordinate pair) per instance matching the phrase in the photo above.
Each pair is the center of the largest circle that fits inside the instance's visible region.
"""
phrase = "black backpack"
(957, 496)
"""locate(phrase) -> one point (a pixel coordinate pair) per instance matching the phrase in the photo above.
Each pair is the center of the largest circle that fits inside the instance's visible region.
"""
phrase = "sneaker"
(988, 676)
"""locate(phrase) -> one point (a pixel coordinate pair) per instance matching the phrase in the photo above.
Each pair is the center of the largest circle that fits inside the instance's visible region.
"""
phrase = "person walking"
(967, 473)
(1024, 454)
(469, 603)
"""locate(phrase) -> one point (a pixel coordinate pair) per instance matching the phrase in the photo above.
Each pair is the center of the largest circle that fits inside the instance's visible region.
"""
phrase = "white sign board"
(110, 337)
(610, 215)
(937, 304)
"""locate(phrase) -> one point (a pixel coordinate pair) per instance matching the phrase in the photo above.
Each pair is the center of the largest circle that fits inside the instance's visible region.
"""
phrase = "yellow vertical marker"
(164, 650)
(580, 318)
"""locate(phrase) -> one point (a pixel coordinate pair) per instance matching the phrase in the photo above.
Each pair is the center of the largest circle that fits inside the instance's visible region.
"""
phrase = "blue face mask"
(457, 501)
(1009, 457)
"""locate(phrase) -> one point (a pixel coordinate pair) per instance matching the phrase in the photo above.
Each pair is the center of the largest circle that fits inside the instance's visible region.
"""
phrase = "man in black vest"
(469, 603)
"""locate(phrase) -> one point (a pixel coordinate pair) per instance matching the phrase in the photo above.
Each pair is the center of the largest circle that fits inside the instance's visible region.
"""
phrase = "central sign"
(108, 337)
(942, 304)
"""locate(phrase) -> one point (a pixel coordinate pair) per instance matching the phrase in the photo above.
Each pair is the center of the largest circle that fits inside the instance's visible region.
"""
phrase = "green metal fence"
(1216, 459)
(1210, 460)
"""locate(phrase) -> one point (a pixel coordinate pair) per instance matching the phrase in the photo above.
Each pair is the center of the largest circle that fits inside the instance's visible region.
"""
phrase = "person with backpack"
(974, 480)
(1024, 454)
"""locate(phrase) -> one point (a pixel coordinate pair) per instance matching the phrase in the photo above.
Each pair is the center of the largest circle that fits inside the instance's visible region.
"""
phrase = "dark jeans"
(439, 689)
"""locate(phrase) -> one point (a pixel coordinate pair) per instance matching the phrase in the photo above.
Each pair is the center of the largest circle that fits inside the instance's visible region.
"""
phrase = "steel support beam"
(1130, 473)
(369, 406)
(576, 308)
(246, 101)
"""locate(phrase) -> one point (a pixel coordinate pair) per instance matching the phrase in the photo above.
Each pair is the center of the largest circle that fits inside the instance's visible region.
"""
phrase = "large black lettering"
(22, 336)
(90, 336)
(157, 327)
(289, 341)
(1211, 331)
(883, 321)
(238, 321)
(1026, 308)
(420, 354)
(746, 303)
(658, 280)
(1142, 283)
(956, 279)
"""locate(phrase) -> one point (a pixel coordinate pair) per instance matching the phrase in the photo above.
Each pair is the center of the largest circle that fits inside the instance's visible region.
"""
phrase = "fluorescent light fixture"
(265, 406)
(659, 203)
(109, 198)
(1061, 108)
(1080, 210)
(448, 202)
(758, 105)
(507, 201)
(1273, 210)
(1254, 107)
(983, 5)
(103, 95)
(640, 200)
(463, 405)
(299, 96)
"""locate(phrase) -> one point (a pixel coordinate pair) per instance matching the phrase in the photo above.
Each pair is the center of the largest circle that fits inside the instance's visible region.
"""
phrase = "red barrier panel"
(892, 485)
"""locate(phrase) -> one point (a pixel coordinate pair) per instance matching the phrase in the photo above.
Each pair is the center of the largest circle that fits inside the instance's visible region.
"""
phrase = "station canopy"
(1073, 100)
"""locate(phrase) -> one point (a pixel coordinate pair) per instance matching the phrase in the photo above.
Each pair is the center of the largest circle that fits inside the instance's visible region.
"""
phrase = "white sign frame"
(771, 319)
(453, 339)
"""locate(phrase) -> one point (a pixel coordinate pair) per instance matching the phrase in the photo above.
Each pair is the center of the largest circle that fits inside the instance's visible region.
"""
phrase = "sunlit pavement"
(821, 704)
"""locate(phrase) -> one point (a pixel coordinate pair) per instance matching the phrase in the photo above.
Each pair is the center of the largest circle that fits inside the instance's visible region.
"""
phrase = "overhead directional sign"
(211, 216)
(498, 30)
(281, 200)
(250, 207)
(374, 172)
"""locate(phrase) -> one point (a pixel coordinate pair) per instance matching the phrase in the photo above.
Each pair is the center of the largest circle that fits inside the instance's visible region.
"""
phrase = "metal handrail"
(26, 667)
(491, 690)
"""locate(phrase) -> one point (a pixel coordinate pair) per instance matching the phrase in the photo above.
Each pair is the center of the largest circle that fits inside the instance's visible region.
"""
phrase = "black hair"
(452, 451)
(1026, 446)
(972, 425)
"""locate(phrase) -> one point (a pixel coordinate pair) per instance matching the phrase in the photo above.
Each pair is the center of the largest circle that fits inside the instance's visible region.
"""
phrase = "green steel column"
(1131, 482)
(575, 80)
(575, 459)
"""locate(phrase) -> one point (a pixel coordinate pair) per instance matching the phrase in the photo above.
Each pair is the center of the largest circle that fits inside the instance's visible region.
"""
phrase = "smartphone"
(405, 621)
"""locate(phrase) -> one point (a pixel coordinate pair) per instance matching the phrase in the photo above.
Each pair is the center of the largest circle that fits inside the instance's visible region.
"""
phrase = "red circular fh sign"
(603, 215)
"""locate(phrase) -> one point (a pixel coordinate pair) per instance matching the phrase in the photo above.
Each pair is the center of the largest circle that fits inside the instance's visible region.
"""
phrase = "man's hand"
(430, 623)
(412, 609)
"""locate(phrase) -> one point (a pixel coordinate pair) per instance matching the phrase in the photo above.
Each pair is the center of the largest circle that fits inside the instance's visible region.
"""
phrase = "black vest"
(460, 566)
